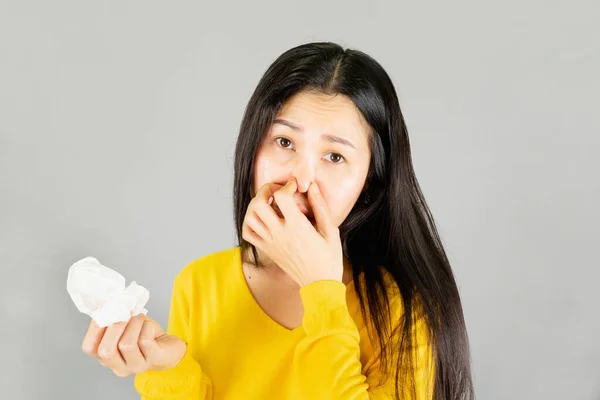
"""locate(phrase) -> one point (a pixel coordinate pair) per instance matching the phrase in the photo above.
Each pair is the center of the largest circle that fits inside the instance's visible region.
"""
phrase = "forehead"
(318, 113)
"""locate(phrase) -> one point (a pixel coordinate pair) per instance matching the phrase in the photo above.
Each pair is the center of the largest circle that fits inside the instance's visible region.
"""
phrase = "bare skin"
(317, 138)
(276, 293)
(133, 347)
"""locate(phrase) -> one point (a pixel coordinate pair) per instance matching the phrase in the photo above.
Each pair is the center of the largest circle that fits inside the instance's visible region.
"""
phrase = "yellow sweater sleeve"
(327, 361)
(186, 380)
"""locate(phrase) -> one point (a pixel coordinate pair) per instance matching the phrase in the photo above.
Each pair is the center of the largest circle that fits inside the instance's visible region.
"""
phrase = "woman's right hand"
(133, 347)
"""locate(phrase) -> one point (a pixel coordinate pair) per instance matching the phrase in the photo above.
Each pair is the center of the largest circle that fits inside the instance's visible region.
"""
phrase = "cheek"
(266, 170)
(259, 178)
(341, 195)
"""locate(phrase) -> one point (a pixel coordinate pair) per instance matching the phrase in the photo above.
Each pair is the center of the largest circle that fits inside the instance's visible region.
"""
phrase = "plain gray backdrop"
(118, 121)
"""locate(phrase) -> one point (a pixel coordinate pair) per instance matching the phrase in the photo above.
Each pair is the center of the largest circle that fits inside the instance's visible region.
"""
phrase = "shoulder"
(391, 301)
(420, 331)
(387, 292)
(420, 341)
(210, 267)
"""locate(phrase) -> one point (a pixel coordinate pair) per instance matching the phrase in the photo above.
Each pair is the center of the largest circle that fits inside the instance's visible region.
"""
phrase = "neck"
(272, 269)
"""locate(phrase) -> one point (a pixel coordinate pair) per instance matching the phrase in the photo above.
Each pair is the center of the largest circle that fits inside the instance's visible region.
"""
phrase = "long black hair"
(393, 229)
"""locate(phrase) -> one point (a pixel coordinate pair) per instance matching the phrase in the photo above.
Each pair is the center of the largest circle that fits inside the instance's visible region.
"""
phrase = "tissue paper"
(100, 292)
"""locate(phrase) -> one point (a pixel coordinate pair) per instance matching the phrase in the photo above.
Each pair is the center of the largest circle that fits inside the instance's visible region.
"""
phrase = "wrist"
(332, 274)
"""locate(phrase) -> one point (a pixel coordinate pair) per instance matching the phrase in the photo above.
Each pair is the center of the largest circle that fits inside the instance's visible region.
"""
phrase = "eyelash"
(277, 139)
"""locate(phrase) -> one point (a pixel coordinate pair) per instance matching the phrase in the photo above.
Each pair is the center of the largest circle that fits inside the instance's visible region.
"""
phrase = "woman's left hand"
(305, 252)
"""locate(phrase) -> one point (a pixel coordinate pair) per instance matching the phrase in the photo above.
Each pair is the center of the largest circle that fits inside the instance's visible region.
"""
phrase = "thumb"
(161, 349)
(320, 210)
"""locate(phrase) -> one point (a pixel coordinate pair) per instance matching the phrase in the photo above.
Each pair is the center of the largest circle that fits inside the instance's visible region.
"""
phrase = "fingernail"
(270, 200)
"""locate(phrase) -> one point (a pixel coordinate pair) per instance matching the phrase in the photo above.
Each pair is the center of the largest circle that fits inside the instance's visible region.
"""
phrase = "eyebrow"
(329, 137)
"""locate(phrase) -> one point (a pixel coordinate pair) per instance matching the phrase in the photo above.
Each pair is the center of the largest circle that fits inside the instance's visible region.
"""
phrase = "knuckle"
(126, 345)
(87, 349)
(278, 195)
(145, 343)
(262, 208)
(249, 210)
(136, 318)
(121, 373)
(105, 353)
(248, 233)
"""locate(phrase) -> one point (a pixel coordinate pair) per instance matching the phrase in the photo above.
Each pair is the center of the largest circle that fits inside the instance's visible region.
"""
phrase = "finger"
(108, 353)
(249, 235)
(323, 220)
(159, 347)
(92, 339)
(285, 201)
(255, 223)
(128, 344)
(267, 215)
(261, 205)
(266, 191)
(147, 341)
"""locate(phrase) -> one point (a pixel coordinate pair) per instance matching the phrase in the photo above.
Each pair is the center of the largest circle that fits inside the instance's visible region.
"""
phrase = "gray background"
(117, 128)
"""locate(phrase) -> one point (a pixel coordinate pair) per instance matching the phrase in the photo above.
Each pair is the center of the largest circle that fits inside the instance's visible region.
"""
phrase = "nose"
(304, 172)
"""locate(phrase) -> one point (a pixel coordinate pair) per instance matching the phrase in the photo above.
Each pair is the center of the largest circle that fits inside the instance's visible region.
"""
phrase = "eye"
(284, 142)
(336, 158)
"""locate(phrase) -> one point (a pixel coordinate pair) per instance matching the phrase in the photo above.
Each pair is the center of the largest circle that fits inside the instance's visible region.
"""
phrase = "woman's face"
(317, 138)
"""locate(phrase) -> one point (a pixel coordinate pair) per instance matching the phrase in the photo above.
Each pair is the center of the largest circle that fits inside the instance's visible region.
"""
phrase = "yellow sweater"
(237, 352)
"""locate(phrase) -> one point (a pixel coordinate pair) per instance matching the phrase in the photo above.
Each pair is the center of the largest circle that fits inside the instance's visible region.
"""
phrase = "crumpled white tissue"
(100, 292)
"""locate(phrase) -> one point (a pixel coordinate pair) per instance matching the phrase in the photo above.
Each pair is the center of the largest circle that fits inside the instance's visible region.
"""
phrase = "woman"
(339, 287)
